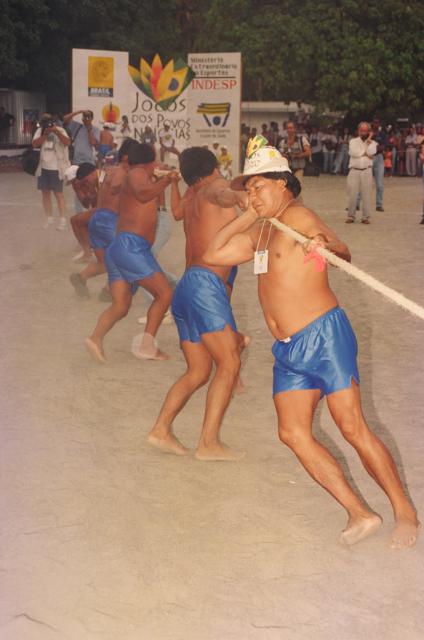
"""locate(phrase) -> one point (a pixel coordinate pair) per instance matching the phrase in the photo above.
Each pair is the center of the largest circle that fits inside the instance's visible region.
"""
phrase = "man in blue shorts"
(129, 260)
(315, 348)
(201, 309)
(102, 224)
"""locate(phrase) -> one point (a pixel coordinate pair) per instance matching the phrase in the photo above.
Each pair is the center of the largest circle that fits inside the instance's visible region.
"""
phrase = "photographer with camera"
(85, 139)
(53, 142)
(295, 147)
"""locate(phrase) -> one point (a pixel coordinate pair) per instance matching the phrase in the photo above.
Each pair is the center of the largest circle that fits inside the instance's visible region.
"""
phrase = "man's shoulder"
(298, 213)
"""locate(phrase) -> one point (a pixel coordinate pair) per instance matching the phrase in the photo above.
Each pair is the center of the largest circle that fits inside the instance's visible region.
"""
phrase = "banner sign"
(182, 104)
(214, 106)
(100, 83)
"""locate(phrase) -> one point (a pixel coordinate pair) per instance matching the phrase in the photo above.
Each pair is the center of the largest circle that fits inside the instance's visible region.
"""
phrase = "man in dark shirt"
(6, 121)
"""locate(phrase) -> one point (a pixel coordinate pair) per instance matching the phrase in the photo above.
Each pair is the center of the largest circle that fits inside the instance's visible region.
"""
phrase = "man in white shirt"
(53, 143)
(362, 149)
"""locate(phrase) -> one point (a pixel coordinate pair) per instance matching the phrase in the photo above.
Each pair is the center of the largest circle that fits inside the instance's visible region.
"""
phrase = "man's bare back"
(110, 188)
(137, 203)
(106, 138)
(203, 217)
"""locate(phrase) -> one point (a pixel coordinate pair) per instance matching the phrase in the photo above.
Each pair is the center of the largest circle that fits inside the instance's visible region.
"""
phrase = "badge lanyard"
(260, 262)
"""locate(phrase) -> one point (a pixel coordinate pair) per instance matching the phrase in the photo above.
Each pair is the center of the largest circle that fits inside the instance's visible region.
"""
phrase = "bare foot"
(218, 451)
(405, 533)
(168, 444)
(95, 350)
(145, 347)
(360, 528)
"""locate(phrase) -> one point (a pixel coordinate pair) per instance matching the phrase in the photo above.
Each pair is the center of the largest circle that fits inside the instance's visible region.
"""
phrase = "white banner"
(152, 95)
(183, 104)
(100, 82)
(214, 106)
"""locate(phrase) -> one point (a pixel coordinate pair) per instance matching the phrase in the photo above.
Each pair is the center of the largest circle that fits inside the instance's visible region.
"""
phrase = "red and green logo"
(163, 84)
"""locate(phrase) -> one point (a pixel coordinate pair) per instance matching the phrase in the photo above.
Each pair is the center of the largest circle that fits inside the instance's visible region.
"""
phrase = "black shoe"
(422, 220)
(379, 209)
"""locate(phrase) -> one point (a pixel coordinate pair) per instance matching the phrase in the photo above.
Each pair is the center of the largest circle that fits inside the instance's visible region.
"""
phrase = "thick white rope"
(391, 294)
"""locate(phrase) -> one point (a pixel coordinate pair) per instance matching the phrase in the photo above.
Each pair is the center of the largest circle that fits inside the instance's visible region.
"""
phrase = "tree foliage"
(358, 56)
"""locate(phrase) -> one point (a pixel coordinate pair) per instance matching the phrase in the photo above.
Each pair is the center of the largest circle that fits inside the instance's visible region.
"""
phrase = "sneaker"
(79, 285)
(167, 319)
(48, 222)
(365, 221)
(349, 221)
(379, 209)
(63, 225)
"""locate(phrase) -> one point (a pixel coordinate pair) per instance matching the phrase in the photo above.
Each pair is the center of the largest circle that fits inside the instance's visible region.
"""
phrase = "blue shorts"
(129, 258)
(101, 228)
(49, 181)
(104, 150)
(201, 305)
(320, 356)
(232, 276)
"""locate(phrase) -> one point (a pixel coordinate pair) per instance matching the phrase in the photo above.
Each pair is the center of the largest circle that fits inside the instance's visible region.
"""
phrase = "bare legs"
(79, 224)
(48, 208)
(220, 347)
(158, 286)
(121, 303)
(199, 367)
(345, 407)
(60, 203)
(94, 269)
(47, 203)
(295, 411)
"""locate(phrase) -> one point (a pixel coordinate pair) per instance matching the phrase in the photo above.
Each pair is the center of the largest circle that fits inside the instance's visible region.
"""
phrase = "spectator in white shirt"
(362, 149)
(53, 142)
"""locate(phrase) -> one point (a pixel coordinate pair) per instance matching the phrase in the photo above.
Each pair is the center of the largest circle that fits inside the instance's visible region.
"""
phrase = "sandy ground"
(105, 538)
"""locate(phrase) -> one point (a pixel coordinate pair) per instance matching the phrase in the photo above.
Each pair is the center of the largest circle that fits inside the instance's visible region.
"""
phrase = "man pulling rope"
(315, 348)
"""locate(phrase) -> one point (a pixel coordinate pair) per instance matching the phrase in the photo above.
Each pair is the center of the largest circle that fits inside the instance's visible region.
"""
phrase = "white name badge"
(260, 263)
(49, 144)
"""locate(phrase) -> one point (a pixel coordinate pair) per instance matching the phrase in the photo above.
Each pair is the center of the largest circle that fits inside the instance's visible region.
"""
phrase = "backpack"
(30, 160)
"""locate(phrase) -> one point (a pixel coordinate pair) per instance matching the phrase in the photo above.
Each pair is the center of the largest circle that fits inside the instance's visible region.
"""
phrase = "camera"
(46, 124)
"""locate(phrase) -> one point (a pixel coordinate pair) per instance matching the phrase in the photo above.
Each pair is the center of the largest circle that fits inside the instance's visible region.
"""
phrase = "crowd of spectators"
(327, 147)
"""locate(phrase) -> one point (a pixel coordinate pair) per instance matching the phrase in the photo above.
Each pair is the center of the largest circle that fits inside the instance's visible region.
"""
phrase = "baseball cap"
(71, 172)
(260, 158)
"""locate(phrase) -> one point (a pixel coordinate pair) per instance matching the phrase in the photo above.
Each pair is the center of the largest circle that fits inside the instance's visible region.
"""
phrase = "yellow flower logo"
(162, 84)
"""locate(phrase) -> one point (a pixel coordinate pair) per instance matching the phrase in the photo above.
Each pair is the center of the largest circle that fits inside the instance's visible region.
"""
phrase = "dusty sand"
(104, 538)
